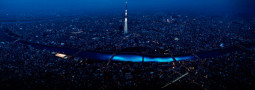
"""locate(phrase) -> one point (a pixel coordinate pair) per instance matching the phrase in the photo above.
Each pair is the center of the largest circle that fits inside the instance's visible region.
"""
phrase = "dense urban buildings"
(47, 52)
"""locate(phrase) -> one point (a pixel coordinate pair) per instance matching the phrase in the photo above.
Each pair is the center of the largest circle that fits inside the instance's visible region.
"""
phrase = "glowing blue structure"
(131, 58)
(139, 58)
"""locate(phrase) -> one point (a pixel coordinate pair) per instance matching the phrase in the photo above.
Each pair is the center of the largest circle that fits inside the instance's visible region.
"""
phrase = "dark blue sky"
(15, 7)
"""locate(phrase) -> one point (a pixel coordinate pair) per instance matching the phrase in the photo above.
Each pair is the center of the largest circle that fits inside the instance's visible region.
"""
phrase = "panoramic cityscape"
(127, 44)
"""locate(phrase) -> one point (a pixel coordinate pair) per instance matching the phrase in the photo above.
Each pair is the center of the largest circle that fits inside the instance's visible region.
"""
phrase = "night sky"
(63, 7)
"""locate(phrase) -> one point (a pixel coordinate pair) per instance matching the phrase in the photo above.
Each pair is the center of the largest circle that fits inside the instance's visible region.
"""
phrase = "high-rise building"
(126, 25)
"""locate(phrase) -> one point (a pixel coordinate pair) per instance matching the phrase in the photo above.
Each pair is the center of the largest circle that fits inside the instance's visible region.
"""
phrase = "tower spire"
(125, 25)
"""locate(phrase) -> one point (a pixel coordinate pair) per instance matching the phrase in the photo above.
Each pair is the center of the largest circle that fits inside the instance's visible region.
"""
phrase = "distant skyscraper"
(126, 25)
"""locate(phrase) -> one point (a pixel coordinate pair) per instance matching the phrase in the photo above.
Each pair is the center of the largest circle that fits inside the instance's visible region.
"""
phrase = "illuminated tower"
(126, 25)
